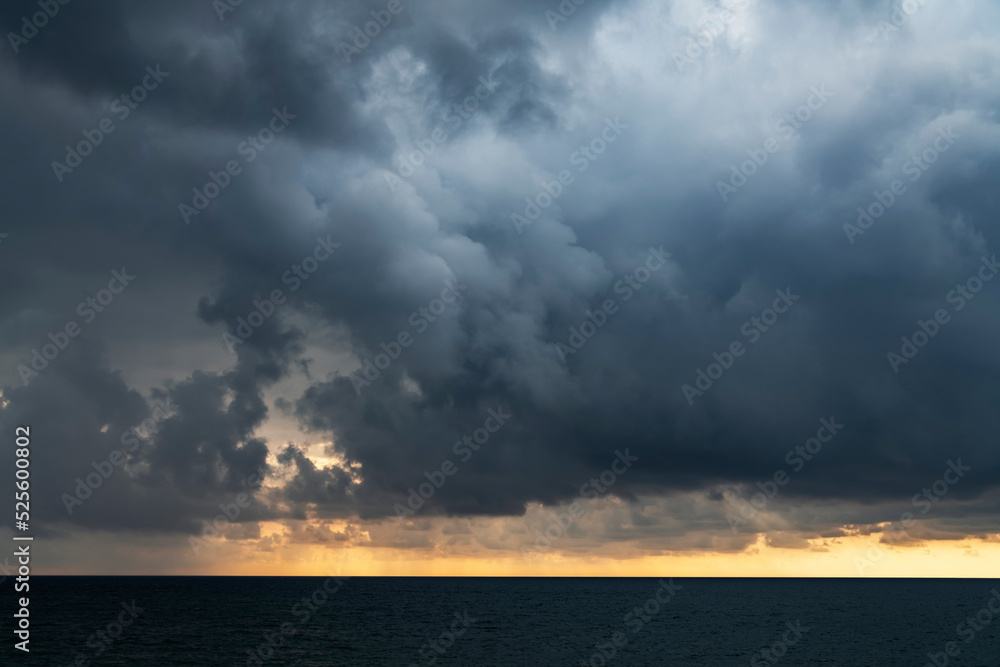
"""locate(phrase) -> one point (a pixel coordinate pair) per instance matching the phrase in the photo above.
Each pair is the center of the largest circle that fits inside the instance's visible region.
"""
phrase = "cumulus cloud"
(737, 139)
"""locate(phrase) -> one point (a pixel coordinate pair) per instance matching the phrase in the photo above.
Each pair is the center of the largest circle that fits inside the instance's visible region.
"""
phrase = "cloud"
(892, 93)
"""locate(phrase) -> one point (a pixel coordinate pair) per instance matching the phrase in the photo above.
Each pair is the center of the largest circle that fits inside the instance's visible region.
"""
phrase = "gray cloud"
(655, 185)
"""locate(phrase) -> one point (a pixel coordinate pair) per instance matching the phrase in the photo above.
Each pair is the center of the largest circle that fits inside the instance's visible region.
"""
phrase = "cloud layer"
(685, 230)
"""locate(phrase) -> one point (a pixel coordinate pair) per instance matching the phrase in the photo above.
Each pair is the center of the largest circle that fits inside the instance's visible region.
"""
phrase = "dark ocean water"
(390, 621)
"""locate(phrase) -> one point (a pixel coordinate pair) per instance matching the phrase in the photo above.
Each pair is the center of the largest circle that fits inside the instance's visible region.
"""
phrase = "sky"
(611, 287)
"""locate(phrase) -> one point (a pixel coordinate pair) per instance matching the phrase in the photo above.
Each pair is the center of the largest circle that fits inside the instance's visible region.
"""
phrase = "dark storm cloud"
(496, 347)
(174, 474)
(86, 45)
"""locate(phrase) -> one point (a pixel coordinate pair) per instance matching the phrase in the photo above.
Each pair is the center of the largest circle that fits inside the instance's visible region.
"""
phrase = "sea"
(549, 622)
